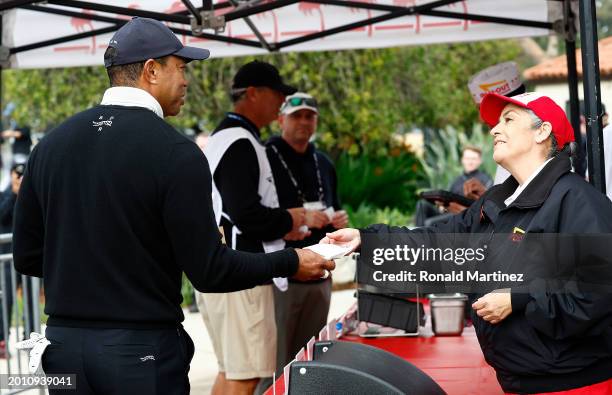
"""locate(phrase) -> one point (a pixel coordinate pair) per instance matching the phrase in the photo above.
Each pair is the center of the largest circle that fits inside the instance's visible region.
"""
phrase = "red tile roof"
(556, 69)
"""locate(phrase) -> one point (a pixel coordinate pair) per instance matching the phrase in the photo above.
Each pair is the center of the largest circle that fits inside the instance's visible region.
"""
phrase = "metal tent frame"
(198, 19)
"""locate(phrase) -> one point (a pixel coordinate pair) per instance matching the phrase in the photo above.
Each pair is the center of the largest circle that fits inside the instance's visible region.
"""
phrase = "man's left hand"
(296, 235)
(495, 306)
(340, 219)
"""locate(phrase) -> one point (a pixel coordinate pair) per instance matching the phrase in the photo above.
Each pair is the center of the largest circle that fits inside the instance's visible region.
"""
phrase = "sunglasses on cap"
(299, 101)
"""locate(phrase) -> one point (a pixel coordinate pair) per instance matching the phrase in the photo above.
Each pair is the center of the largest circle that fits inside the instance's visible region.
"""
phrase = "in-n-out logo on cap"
(502, 78)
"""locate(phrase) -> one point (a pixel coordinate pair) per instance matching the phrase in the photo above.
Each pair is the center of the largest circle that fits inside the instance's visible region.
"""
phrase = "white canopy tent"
(66, 33)
(281, 28)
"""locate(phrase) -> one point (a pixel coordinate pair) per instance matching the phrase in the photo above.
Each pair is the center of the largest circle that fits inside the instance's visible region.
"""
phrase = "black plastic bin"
(390, 311)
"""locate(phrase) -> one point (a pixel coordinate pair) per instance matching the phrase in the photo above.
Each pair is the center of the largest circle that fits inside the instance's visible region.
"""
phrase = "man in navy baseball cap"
(145, 54)
(143, 38)
(113, 207)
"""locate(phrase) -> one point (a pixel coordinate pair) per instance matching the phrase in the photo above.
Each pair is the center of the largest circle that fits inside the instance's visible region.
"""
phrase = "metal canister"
(447, 313)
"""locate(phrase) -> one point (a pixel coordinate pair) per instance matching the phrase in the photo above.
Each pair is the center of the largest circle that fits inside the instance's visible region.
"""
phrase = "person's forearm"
(237, 270)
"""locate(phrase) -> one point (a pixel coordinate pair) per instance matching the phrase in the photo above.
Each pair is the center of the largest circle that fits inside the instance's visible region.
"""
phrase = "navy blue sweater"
(114, 206)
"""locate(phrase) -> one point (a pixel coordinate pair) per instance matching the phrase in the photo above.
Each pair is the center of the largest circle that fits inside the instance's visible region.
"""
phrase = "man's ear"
(150, 71)
(251, 93)
(543, 132)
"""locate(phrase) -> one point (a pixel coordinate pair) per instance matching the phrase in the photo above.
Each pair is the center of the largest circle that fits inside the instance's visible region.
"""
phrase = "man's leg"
(220, 385)
(214, 304)
(315, 299)
(241, 327)
(64, 356)
(250, 342)
(286, 312)
(8, 294)
(223, 386)
(120, 361)
(152, 361)
(241, 387)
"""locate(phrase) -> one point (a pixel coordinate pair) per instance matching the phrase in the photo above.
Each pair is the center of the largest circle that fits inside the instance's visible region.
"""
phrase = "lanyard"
(245, 123)
(301, 195)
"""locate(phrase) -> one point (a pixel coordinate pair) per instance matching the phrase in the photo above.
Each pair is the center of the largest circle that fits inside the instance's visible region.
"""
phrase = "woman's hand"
(347, 237)
(495, 306)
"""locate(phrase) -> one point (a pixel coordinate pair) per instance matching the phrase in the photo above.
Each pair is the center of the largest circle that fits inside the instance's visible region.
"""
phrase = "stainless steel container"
(447, 313)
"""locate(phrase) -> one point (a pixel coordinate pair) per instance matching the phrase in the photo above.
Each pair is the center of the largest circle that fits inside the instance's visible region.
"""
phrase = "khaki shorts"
(242, 329)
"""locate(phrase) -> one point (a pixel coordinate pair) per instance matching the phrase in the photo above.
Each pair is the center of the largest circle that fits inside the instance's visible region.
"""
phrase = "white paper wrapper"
(329, 251)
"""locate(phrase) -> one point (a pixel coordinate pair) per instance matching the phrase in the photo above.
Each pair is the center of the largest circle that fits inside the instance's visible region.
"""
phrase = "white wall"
(559, 92)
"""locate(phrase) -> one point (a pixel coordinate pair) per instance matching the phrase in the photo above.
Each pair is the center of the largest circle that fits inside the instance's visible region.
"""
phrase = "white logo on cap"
(528, 97)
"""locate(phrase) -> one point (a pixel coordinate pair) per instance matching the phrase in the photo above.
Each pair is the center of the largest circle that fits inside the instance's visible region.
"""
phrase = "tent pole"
(572, 79)
(592, 92)
(118, 22)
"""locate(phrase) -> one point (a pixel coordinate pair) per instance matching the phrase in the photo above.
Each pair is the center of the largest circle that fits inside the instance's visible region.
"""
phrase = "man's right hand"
(312, 266)
(316, 219)
(298, 216)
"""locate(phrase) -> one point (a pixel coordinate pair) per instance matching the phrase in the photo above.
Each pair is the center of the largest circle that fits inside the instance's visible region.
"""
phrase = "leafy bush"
(381, 182)
(366, 215)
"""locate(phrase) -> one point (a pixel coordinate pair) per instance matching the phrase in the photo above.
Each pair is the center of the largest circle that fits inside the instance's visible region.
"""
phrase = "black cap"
(260, 74)
(142, 38)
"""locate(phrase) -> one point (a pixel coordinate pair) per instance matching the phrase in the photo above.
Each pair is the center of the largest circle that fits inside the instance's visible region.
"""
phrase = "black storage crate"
(390, 311)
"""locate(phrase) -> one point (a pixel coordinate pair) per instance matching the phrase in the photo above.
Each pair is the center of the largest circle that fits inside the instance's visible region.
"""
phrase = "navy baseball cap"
(142, 38)
(261, 74)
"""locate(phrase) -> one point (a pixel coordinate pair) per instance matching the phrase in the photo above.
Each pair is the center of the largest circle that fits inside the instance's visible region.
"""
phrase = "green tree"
(45, 97)
(604, 18)
(366, 96)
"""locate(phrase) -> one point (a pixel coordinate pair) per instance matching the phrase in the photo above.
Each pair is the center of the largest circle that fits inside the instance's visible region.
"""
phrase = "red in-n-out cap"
(544, 107)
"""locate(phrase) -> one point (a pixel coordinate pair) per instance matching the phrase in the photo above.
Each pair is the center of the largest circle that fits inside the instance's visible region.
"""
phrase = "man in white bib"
(241, 324)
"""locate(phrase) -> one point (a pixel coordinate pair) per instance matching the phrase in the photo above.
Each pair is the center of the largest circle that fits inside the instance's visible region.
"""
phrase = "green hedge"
(379, 182)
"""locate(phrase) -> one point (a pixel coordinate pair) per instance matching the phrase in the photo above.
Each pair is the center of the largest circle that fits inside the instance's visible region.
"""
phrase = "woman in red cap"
(551, 333)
